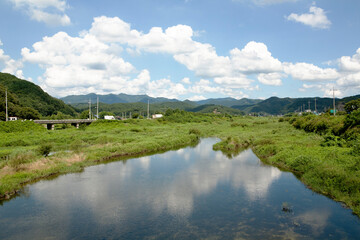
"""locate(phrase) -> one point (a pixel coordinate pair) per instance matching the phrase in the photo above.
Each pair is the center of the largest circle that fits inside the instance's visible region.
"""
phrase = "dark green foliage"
(45, 149)
(352, 120)
(276, 106)
(195, 131)
(84, 114)
(23, 93)
(28, 113)
(352, 105)
(331, 140)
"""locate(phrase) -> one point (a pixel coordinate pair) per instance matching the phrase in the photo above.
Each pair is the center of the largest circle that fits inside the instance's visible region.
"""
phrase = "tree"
(28, 113)
(84, 114)
(352, 105)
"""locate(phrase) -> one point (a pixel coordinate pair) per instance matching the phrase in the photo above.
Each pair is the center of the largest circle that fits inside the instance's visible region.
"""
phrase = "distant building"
(108, 117)
(157, 116)
(13, 118)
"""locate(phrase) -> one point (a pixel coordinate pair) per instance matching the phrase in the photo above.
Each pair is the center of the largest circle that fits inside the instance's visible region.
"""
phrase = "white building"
(108, 117)
(157, 116)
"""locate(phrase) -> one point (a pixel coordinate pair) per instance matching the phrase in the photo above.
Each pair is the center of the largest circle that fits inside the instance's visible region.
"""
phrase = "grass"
(331, 170)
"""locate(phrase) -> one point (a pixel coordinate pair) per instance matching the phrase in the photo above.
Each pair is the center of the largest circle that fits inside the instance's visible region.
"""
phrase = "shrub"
(195, 131)
(45, 149)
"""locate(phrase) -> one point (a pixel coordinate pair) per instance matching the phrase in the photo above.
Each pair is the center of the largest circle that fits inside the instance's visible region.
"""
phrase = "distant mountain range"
(125, 98)
(272, 105)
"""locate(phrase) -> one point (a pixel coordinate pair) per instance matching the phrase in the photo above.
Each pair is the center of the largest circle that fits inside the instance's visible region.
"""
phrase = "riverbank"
(332, 171)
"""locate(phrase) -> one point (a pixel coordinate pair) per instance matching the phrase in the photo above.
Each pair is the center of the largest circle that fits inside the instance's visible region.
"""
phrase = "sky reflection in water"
(189, 193)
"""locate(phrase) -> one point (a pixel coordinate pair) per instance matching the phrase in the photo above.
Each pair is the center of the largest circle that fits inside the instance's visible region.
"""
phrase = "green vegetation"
(27, 100)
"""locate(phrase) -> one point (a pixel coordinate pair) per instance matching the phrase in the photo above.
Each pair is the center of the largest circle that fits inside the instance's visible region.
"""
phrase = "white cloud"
(254, 58)
(316, 18)
(310, 72)
(273, 79)
(350, 80)
(197, 98)
(186, 80)
(350, 64)
(177, 40)
(92, 62)
(9, 65)
(51, 12)
(78, 62)
(240, 81)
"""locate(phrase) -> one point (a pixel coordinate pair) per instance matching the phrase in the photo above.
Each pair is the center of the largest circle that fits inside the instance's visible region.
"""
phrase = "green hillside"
(275, 105)
(229, 102)
(141, 108)
(23, 94)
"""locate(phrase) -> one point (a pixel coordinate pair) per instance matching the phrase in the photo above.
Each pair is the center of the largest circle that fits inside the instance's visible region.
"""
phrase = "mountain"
(229, 102)
(113, 98)
(141, 108)
(24, 95)
(275, 105)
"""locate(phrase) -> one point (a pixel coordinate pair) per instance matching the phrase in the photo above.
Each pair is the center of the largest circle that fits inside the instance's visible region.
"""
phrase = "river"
(191, 193)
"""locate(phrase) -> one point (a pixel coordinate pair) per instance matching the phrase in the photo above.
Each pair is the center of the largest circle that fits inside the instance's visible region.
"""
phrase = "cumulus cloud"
(273, 79)
(201, 58)
(51, 12)
(310, 72)
(316, 18)
(9, 65)
(350, 64)
(92, 62)
(254, 58)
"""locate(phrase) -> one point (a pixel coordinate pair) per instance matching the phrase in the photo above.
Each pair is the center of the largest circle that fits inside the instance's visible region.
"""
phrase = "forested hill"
(25, 96)
(275, 105)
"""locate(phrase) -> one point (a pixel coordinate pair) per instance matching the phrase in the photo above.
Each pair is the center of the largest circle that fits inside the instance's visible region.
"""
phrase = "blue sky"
(184, 49)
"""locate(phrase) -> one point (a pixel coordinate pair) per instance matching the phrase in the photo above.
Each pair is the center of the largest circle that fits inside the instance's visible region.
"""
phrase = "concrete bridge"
(49, 124)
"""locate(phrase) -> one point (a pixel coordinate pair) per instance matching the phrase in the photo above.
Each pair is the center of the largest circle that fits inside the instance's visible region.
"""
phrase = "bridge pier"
(75, 125)
(50, 126)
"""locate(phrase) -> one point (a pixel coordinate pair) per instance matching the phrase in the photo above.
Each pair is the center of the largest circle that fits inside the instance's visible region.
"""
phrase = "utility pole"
(309, 106)
(334, 100)
(97, 108)
(315, 106)
(90, 108)
(148, 108)
(6, 107)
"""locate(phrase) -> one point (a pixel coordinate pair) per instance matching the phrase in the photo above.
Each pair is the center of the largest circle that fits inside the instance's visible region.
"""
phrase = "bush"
(45, 149)
(195, 131)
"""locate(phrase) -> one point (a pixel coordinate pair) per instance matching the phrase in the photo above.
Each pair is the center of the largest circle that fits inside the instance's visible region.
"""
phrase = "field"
(29, 152)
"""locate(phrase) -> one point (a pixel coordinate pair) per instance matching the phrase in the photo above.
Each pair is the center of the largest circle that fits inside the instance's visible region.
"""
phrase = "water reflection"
(189, 193)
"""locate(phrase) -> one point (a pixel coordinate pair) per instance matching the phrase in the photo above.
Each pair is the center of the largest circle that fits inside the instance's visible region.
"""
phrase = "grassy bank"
(330, 170)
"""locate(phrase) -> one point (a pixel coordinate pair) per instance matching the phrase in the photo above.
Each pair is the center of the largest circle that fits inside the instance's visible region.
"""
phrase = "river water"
(191, 193)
